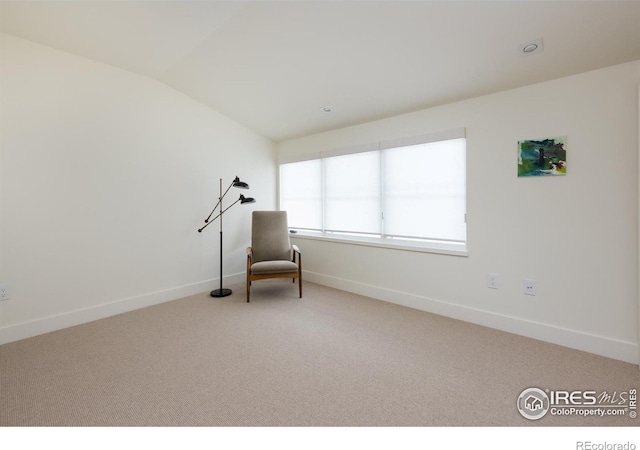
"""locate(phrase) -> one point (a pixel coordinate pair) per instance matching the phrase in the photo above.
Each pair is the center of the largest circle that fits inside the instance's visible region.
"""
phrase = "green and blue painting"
(542, 157)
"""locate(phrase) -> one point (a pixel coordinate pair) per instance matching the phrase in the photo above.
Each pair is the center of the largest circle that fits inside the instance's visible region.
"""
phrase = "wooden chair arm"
(296, 251)
(249, 255)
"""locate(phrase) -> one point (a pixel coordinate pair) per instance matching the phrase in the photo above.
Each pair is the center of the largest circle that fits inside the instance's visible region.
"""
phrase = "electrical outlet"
(529, 287)
(492, 280)
(5, 292)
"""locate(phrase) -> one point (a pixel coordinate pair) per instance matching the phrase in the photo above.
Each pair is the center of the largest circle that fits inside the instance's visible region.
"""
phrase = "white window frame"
(455, 248)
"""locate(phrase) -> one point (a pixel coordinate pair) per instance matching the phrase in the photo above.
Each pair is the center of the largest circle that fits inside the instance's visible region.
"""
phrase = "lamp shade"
(240, 184)
(244, 199)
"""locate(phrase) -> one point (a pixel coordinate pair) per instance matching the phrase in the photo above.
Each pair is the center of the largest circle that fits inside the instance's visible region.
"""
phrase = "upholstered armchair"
(271, 254)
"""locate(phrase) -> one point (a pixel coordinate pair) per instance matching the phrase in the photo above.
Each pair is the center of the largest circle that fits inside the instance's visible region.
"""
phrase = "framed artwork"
(544, 157)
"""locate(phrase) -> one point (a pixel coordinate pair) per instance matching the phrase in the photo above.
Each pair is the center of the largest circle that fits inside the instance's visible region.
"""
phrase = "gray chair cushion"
(273, 267)
(270, 237)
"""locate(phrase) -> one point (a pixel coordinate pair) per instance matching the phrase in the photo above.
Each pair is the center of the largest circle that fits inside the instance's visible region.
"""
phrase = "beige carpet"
(329, 359)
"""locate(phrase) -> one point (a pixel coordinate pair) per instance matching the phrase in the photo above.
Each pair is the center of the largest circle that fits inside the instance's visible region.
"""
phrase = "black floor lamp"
(241, 185)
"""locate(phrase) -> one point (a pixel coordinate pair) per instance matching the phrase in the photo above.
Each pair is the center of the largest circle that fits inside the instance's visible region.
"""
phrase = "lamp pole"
(221, 292)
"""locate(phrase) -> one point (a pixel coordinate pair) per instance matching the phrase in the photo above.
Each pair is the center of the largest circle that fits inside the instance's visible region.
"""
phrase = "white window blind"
(352, 193)
(424, 191)
(411, 189)
(301, 193)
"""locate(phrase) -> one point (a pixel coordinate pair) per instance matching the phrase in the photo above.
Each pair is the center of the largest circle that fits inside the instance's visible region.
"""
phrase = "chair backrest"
(270, 236)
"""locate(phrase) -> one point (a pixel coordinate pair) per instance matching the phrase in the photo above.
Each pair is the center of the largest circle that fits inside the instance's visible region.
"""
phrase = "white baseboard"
(599, 345)
(56, 322)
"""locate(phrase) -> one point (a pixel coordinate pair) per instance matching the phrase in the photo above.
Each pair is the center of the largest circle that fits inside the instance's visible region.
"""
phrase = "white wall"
(105, 177)
(576, 235)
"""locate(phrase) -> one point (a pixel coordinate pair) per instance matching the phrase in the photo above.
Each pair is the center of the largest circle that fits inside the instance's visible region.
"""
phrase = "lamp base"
(221, 292)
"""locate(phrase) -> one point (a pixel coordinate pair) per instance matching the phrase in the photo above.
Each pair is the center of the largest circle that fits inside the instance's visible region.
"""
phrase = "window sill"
(439, 247)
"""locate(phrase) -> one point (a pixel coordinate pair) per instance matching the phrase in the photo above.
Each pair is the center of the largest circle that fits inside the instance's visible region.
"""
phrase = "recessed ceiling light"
(326, 109)
(531, 48)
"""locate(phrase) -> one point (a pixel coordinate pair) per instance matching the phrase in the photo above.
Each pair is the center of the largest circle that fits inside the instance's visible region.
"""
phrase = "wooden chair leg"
(300, 274)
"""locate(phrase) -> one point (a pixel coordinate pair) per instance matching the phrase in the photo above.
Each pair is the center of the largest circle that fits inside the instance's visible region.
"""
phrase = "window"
(352, 193)
(424, 193)
(301, 185)
(409, 192)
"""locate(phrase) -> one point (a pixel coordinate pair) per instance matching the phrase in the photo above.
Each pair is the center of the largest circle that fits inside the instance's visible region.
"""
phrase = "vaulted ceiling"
(273, 65)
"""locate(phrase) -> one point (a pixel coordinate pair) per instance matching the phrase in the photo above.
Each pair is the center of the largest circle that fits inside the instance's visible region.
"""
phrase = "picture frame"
(542, 157)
